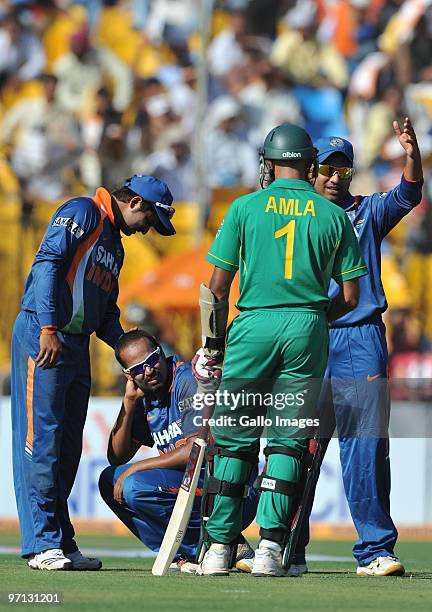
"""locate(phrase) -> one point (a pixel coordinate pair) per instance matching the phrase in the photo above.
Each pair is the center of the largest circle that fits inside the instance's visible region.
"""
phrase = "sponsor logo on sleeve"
(70, 225)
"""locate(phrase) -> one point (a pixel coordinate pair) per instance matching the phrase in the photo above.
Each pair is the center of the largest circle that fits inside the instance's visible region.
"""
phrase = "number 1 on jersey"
(288, 230)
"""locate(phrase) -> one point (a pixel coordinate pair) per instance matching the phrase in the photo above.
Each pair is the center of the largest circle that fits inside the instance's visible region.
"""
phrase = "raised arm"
(389, 208)
(413, 170)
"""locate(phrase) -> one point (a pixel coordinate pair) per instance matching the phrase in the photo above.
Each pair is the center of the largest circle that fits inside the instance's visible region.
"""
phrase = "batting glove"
(206, 369)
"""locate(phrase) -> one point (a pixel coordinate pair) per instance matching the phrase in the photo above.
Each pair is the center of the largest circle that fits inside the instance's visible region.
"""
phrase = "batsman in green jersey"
(287, 243)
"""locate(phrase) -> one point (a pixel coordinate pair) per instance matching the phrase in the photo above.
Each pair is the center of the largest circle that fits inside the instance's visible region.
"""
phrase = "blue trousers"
(149, 497)
(49, 408)
(356, 397)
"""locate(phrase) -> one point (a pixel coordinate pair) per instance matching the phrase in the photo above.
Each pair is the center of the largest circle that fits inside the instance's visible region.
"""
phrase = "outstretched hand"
(407, 137)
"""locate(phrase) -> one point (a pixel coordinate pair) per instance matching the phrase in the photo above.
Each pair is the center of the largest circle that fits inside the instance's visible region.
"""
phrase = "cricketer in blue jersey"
(157, 411)
(70, 293)
(359, 396)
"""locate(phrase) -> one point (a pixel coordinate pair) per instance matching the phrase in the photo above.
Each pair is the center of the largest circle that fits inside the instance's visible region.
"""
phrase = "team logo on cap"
(336, 142)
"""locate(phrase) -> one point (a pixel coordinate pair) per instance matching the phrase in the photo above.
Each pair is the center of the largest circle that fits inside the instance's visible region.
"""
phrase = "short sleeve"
(185, 390)
(348, 262)
(224, 252)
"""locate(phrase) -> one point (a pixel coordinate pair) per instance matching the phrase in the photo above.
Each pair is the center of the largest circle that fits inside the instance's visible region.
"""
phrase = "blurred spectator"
(115, 162)
(406, 332)
(352, 27)
(267, 102)
(172, 163)
(93, 127)
(183, 97)
(44, 142)
(86, 68)
(385, 10)
(418, 55)
(227, 48)
(172, 20)
(304, 58)
(379, 123)
(262, 16)
(230, 161)
(21, 53)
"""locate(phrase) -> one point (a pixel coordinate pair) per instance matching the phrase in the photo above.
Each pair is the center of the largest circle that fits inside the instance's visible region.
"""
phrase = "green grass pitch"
(126, 584)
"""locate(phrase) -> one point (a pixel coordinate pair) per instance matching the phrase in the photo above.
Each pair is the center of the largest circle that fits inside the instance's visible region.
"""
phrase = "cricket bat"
(182, 509)
(316, 450)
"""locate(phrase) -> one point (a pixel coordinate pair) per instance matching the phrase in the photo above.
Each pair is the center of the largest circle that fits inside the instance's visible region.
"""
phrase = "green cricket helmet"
(286, 142)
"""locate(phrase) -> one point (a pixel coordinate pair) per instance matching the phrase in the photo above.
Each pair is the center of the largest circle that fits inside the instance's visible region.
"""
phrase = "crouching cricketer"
(70, 293)
(157, 411)
(288, 242)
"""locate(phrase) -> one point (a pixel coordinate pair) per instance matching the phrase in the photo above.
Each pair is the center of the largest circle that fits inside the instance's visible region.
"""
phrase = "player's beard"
(148, 389)
(119, 221)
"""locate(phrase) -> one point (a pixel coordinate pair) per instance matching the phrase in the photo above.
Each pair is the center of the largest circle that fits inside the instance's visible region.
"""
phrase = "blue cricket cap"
(157, 193)
(334, 144)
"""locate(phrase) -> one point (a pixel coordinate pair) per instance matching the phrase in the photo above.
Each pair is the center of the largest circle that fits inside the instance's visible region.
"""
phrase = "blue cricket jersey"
(166, 423)
(73, 282)
(373, 217)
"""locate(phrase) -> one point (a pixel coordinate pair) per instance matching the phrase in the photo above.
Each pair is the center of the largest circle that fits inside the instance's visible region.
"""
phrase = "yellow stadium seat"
(187, 221)
(221, 199)
(395, 284)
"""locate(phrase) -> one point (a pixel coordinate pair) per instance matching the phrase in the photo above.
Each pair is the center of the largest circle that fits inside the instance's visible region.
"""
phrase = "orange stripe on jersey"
(198, 493)
(102, 199)
(82, 250)
(178, 364)
(29, 399)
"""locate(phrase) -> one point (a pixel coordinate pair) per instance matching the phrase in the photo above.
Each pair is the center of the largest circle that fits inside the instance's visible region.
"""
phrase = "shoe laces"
(379, 560)
(56, 552)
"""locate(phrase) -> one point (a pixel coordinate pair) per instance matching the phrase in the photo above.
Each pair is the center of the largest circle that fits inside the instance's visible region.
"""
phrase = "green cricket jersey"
(288, 242)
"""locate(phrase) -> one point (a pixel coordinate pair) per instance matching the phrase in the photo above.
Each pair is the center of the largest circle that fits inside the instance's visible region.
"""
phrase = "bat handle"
(205, 427)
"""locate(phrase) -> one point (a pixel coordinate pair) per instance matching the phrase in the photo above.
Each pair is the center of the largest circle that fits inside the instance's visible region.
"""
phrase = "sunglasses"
(149, 362)
(170, 210)
(329, 171)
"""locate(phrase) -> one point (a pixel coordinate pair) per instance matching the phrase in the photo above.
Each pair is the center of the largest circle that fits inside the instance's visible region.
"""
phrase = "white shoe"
(245, 558)
(382, 566)
(268, 562)
(216, 561)
(81, 563)
(52, 559)
(295, 571)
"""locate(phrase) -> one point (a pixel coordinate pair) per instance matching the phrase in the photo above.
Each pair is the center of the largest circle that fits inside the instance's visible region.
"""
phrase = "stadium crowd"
(92, 91)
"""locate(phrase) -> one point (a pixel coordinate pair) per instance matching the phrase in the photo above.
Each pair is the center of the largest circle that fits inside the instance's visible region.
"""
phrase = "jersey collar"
(102, 199)
(351, 202)
(286, 183)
